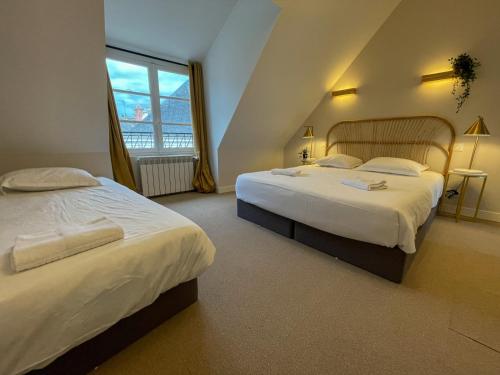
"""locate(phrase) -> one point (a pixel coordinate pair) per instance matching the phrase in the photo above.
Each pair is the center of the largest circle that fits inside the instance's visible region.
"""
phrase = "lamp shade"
(478, 128)
(309, 132)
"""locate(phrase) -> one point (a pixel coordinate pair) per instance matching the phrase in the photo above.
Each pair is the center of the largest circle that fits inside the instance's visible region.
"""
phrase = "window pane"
(177, 136)
(173, 84)
(133, 107)
(138, 135)
(175, 111)
(130, 77)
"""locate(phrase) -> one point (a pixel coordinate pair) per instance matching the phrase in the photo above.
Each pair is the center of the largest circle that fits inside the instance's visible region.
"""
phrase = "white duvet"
(317, 198)
(46, 311)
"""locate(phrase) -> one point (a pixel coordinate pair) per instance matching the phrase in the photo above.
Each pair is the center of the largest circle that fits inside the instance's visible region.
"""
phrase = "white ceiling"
(182, 29)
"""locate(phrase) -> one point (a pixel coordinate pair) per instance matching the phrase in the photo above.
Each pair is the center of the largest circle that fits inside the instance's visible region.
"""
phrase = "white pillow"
(404, 167)
(339, 161)
(41, 179)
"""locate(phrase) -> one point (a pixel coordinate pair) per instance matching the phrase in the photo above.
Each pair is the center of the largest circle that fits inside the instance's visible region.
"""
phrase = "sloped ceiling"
(183, 29)
(229, 64)
(388, 72)
(313, 42)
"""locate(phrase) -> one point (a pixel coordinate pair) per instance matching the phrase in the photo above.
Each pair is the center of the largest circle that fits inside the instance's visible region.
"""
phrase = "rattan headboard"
(412, 138)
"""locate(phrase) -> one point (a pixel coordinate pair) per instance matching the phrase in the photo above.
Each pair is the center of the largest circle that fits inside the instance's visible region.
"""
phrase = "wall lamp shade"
(344, 92)
(309, 133)
(477, 129)
(438, 76)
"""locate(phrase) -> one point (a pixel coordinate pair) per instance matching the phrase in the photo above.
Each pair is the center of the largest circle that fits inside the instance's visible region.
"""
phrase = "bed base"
(90, 354)
(389, 263)
(269, 220)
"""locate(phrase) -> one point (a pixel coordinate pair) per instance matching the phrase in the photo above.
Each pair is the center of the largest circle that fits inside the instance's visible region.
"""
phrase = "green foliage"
(464, 66)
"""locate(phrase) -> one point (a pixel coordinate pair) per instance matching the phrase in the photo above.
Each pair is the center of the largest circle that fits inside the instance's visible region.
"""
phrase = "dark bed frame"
(90, 354)
(389, 263)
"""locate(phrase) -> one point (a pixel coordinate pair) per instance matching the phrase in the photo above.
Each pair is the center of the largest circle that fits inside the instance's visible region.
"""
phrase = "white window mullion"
(155, 103)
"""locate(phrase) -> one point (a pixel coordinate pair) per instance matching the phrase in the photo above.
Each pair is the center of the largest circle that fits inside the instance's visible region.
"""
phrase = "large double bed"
(84, 308)
(379, 231)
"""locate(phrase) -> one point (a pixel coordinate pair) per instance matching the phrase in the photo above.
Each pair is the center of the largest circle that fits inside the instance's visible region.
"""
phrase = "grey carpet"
(270, 305)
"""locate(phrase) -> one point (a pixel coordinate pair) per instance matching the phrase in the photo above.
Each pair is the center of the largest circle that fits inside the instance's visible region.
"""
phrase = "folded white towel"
(292, 172)
(34, 250)
(365, 184)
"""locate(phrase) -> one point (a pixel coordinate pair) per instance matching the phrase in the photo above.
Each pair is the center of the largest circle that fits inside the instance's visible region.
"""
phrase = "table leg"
(443, 197)
(461, 198)
(479, 199)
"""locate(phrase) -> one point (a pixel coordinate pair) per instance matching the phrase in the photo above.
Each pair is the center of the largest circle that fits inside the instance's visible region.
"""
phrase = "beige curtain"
(203, 181)
(120, 159)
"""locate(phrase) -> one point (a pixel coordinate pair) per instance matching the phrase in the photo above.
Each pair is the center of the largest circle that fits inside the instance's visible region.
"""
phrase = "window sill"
(162, 156)
(138, 155)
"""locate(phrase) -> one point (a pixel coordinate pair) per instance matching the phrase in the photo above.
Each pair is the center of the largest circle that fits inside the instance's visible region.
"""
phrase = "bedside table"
(463, 191)
(309, 161)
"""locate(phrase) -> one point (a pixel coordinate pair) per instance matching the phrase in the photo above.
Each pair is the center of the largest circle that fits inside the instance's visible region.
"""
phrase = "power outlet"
(459, 147)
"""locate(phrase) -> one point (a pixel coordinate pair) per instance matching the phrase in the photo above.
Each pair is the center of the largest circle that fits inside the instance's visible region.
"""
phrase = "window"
(153, 104)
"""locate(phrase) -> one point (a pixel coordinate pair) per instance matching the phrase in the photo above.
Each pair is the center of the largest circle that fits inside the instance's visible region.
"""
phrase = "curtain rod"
(144, 55)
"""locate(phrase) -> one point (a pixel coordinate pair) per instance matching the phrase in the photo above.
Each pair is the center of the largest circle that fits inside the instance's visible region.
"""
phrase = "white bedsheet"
(317, 198)
(48, 310)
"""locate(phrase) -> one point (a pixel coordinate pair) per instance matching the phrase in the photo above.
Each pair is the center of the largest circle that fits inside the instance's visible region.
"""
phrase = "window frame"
(153, 66)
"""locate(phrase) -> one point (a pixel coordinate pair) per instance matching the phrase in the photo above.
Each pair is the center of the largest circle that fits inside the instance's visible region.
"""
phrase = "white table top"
(469, 174)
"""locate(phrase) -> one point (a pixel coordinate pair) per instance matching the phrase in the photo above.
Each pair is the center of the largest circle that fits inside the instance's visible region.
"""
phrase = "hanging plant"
(464, 67)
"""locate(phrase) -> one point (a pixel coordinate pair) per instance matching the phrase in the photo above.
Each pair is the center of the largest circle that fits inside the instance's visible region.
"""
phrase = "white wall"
(230, 63)
(417, 39)
(311, 45)
(53, 89)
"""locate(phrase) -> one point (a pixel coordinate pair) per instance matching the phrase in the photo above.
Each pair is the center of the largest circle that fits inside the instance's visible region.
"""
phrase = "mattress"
(46, 311)
(317, 198)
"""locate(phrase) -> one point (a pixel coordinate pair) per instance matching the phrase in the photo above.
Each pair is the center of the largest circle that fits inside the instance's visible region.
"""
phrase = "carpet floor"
(270, 305)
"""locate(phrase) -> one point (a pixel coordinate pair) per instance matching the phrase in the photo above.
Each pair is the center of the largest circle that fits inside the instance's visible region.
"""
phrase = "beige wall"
(53, 89)
(229, 64)
(417, 39)
(311, 45)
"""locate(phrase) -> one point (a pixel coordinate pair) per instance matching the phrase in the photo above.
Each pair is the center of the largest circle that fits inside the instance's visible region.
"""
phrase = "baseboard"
(225, 189)
(468, 211)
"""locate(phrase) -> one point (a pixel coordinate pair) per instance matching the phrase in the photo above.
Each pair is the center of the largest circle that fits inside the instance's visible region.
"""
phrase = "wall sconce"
(352, 90)
(438, 76)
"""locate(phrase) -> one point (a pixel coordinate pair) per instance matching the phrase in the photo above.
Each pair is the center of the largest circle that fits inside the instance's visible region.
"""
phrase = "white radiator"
(166, 175)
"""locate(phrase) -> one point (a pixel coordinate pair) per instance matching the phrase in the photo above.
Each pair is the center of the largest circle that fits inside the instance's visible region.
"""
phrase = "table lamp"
(309, 135)
(477, 129)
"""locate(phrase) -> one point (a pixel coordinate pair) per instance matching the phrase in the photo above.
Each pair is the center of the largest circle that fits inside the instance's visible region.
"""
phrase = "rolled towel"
(365, 184)
(34, 250)
(292, 172)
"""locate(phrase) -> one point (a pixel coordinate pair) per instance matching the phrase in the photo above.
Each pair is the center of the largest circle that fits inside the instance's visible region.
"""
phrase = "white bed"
(46, 311)
(388, 217)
